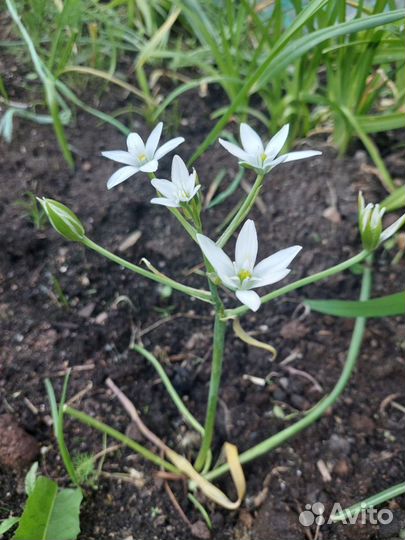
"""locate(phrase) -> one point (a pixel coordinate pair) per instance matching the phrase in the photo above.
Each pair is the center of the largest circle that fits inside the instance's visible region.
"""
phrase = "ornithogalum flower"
(262, 159)
(140, 156)
(244, 274)
(181, 189)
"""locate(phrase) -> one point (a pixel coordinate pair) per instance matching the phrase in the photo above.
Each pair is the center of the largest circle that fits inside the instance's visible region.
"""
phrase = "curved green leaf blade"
(8, 523)
(281, 59)
(395, 200)
(385, 306)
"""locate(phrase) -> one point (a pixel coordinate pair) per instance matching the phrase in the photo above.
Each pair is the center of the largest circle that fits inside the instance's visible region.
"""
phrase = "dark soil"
(360, 441)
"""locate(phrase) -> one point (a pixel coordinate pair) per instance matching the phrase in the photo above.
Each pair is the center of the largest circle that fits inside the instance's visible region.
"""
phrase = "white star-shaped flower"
(262, 159)
(181, 189)
(244, 274)
(140, 156)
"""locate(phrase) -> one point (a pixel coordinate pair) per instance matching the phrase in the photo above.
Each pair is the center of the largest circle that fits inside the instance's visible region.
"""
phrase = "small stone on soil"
(17, 448)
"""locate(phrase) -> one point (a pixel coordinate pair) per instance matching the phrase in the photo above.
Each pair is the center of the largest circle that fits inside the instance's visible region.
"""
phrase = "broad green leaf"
(385, 306)
(65, 524)
(49, 514)
(38, 509)
(8, 523)
(395, 201)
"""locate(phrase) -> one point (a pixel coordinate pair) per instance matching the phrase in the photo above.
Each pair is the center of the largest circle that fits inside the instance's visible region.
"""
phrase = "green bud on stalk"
(63, 220)
(370, 223)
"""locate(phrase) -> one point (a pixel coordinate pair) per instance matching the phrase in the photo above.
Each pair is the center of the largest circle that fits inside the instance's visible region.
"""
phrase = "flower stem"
(108, 430)
(374, 500)
(242, 310)
(215, 380)
(205, 296)
(322, 406)
(187, 415)
(242, 212)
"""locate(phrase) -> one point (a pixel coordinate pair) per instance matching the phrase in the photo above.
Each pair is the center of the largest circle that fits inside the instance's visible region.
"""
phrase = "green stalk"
(190, 291)
(385, 176)
(104, 428)
(188, 227)
(215, 380)
(374, 500)
(170, 389)
(242, 212)
(242, 310)
(58, 423)
(48, 82)
(320, 409)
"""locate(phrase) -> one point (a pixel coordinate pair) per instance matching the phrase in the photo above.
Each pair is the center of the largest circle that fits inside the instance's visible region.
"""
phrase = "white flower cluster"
(242, 275)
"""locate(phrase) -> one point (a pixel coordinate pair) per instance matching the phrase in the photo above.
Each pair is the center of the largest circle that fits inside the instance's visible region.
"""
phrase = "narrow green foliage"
(371, 502)
(33, 210)
(386, 306)
(8, 523)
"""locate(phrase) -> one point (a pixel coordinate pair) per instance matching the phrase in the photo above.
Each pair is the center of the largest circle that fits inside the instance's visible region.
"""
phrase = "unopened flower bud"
(370, 223)
(63, 220)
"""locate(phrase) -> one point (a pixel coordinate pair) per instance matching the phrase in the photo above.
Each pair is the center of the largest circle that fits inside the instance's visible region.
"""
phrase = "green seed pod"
(63, 220)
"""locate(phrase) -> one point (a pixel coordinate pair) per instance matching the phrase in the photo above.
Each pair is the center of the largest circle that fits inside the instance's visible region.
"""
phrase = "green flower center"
(244, 274)
(142, 157)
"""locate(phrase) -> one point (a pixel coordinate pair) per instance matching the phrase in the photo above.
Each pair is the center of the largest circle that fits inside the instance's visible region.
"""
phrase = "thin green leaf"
(8, 524)
(375, 123)
(371, 148)
(375, 500)
(395, 200)
(233, 186)
(275, 64)
(385, 306)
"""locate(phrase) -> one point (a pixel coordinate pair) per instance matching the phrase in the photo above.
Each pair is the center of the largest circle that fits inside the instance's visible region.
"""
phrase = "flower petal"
(392, 229)
(303, 154)
(165, 202)
(246, 247)
(278, 261)
(277, 142)
(271, 163)
(190, 183)
(165, 187)
(234, 150)
(250, 298)
(121, 157)
(250, 140)
(220, 261)
(135, 144)
(179, 172)
(271, 277)
(149, 166)
(168, 147)
(153, 140)
(121, 175)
